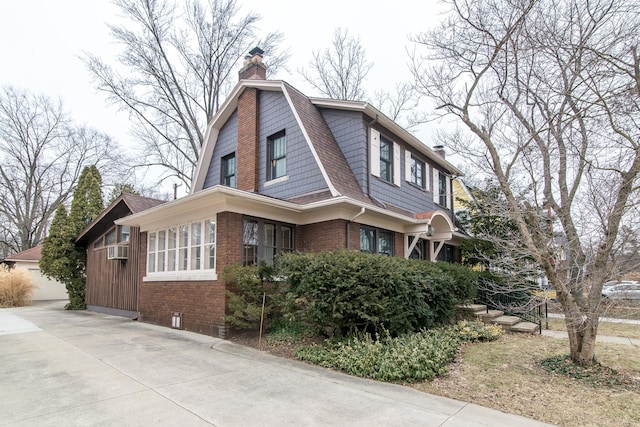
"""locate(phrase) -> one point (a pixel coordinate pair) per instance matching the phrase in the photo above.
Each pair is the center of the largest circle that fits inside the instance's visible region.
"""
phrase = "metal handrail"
(518, 302)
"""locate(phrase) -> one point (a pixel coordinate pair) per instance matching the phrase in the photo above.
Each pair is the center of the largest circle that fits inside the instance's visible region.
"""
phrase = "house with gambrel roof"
(280, 171)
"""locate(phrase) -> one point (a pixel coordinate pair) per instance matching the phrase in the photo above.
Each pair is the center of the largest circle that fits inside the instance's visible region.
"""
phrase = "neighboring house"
(45, 288)
(279, 172)
(113, 257)
(463, 198)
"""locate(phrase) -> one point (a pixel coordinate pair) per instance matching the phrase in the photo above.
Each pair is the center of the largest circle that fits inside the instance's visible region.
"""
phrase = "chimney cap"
(256, 51)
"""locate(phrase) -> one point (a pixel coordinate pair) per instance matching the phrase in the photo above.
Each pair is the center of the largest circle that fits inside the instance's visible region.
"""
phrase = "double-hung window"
(228, 170)
(262, 240)
(376, 241)
(417, 172)
(386, 159)
(442, 189)
(277, 147)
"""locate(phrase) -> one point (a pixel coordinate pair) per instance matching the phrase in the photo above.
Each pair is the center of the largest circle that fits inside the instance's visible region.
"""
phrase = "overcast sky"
(41, 41)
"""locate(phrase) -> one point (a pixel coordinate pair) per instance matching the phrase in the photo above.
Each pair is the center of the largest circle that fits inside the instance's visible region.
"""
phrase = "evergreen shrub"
(347, 292)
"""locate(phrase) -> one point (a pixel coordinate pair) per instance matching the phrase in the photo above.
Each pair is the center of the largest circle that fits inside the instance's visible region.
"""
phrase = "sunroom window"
(184, 248)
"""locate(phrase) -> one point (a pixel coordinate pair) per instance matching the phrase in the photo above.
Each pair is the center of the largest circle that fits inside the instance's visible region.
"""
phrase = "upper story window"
(228, 170)
(442, 189)
(385, 158)
(262, 240)
(441, 185)
(417, 171)
(184, 248)
(277, 147)
(376, 241)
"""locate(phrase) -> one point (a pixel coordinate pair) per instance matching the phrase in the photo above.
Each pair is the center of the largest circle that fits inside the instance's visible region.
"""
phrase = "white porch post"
(436, 250)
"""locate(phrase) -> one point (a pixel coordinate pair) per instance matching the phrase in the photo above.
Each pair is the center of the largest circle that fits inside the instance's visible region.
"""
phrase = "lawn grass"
(507, 375)
(604, 328)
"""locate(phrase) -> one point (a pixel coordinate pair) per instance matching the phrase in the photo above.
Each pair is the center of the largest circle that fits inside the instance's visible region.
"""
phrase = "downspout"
(369, 126)
(348, 231)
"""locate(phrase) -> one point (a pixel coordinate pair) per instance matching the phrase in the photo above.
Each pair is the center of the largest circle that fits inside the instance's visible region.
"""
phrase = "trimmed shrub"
(16, 288)
(346, 292)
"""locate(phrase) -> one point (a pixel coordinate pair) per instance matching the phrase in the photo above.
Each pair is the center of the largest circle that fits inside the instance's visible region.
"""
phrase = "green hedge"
(345, 292)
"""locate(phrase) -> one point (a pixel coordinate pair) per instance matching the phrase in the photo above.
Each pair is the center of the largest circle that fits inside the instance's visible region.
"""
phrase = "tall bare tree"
(175, 68)
(339, 71)
(549, 95)
(41, 156)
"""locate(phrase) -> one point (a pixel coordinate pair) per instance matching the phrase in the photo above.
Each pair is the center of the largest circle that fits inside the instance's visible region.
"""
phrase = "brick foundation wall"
(202, 303)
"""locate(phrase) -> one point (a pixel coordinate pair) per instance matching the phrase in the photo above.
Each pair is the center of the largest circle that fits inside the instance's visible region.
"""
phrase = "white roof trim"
(219, 119)
(386, 122)
(218, 195)
(325, 175)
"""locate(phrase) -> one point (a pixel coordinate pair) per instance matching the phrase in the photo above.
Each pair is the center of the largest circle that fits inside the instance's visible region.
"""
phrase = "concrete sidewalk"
(600, 338)
(83, 368)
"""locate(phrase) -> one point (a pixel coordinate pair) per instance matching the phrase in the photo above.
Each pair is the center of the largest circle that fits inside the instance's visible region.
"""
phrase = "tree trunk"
(582, 330)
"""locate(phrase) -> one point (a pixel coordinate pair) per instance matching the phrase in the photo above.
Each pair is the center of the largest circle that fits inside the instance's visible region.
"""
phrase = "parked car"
(623, 290)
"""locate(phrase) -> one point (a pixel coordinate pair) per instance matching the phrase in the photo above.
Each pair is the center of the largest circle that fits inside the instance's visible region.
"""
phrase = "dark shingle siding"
(329, 152)
(349, 131)
(227, 143)
(304, 175)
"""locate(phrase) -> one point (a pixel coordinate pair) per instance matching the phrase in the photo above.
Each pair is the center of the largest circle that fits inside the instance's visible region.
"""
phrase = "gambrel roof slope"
(329, 158)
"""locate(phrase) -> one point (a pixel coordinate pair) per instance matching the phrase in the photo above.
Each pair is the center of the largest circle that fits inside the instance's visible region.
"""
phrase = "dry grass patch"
(16, 288)
(507, 375)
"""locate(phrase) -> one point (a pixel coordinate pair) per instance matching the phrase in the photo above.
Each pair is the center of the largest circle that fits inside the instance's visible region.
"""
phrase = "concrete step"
(506, 322)
(489, 316)
(525, 327)
(473, 308)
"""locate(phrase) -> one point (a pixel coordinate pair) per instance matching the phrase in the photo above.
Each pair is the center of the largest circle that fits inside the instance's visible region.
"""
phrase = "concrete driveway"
(81, 368)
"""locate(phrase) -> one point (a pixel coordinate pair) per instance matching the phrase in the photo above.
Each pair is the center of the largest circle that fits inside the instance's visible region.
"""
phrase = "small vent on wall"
(176, 320)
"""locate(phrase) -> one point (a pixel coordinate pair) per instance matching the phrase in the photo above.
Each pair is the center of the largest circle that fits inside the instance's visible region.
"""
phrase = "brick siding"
(248, 147)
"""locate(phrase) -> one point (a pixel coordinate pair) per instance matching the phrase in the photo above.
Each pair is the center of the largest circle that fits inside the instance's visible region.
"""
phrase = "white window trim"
(407, 165)
(435, 185)
(170, 276)
(183, 275)
(396, 164)
(375, 153)
(408, 159)
(276, 181)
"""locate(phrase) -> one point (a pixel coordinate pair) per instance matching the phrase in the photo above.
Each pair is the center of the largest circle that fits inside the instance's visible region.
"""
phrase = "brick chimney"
(253, 67)
(439, 149)
(248, 144)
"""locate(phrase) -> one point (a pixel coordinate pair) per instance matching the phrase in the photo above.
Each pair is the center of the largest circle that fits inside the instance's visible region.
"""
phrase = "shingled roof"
(331, 157)
(32, 254)
(124, 205)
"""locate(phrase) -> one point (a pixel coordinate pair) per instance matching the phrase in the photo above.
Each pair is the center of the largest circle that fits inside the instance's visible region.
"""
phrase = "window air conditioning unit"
(118, 252)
